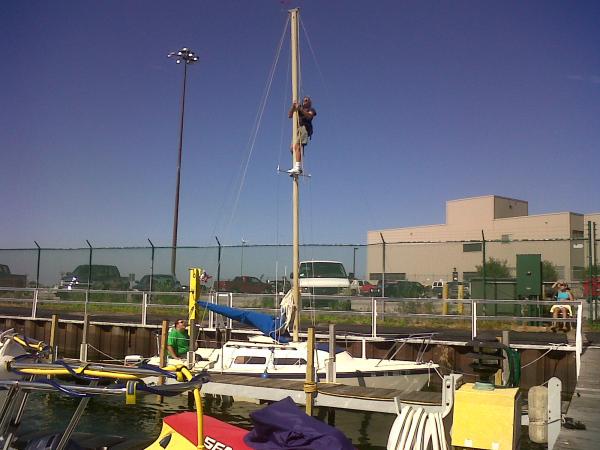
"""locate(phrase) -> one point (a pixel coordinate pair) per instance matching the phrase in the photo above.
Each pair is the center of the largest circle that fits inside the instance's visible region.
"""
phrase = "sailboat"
(278, 354)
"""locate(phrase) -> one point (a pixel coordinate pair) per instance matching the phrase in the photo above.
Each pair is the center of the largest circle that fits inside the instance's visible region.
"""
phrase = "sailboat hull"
(288, 362)
(403, 382)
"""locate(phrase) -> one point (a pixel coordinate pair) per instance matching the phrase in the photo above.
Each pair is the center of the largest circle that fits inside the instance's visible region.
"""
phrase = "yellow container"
(486, 419)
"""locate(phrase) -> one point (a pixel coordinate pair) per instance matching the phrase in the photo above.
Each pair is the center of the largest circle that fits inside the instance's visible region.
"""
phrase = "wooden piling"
(162, 352)
(310, 385)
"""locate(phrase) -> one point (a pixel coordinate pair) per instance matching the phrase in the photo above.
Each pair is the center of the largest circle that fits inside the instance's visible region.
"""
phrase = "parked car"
(282, 285)
(102, 277)
(591, 286)
(363, 287)
(8, 279)
(437, 288)
(405, 289)
(245, 283)
(160, 283)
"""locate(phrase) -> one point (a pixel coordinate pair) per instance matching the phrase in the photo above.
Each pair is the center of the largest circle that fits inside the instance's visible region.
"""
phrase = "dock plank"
(329, 394)
(584, 406)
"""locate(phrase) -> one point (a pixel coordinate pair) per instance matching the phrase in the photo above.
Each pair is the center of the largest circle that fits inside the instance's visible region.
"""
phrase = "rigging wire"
(281, 147)
(333, 112)
(284, 108)
(256, 127)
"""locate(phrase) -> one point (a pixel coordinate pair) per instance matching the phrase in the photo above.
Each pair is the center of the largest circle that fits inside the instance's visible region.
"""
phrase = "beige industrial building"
(432, 252)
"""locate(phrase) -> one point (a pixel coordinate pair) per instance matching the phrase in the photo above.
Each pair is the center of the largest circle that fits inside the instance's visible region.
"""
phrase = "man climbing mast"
(306, 113)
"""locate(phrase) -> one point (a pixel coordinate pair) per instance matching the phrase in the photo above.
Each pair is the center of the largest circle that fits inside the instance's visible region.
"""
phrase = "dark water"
(110, 416)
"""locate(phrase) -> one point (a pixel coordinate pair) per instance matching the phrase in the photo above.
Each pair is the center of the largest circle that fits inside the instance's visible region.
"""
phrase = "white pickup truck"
(323, 278)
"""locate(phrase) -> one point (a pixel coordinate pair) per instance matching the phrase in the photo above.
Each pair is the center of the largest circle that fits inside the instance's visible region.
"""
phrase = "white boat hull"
(288, 361)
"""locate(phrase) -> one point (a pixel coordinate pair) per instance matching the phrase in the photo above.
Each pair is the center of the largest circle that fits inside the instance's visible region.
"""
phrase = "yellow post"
(445, 297)
(194, 292)
(461, 295)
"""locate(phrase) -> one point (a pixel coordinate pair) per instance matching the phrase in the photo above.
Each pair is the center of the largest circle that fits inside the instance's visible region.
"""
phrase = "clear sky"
(418, 102)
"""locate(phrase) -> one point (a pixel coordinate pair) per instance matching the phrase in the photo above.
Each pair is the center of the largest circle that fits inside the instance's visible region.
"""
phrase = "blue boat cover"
(269, 325)
(282, 425)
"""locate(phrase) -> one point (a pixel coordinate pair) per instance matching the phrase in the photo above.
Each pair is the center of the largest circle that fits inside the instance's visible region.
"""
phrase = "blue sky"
(418, 103)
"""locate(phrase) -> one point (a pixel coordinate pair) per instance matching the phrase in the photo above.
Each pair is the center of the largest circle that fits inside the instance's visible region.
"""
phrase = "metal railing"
(372, 312)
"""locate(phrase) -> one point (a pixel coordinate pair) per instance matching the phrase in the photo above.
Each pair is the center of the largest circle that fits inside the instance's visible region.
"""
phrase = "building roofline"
(487, 196)
(404, 228)
(539, 215)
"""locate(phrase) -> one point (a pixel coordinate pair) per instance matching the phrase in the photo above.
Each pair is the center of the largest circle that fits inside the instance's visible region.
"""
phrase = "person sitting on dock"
(306, 113)
(562, 310)
(178, 341)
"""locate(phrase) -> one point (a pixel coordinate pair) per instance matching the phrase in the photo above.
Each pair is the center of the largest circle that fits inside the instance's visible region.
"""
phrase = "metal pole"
(473, 319)
(330, 376)
(354, 262)
(176, 212)
(594, 272)
(374, 315)
(87, 296)
(590, 260)
(483, 267)
(218, 263)
(148, 297)
(37, 284)
(242, 259)
(37, 273)
(64, 440)
(382, 266)
(186, 56)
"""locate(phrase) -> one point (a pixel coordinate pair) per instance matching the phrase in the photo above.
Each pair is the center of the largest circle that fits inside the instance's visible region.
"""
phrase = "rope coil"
(310, 387)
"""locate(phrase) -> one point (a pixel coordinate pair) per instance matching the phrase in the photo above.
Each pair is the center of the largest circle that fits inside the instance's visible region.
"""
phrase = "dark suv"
(102, 277)
(160, 283)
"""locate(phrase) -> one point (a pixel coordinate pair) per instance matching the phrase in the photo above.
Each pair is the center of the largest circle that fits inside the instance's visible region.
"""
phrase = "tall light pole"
(354, 261)
(244, 242)
(186, 56)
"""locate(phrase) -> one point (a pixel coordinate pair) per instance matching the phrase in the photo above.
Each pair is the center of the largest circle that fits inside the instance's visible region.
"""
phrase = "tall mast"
(296, 195)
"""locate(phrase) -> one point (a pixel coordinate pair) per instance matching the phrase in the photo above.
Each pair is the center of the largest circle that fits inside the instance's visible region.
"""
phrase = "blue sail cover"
(269, 325)
(284, 426)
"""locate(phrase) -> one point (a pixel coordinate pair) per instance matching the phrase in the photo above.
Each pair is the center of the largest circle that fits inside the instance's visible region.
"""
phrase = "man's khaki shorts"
(302, 137)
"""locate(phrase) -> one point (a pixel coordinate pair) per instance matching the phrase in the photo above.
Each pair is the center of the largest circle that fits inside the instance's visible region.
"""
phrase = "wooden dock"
(329, 394)
(584, 406)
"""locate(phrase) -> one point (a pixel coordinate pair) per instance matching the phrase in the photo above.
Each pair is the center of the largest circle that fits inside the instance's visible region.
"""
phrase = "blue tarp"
(282, 425)
(269, 325)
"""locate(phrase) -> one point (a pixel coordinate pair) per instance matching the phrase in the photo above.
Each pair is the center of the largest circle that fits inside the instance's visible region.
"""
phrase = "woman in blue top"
(562, 308)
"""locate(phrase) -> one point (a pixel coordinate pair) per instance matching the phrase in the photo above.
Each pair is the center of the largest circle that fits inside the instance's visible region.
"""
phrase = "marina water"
(142, 422)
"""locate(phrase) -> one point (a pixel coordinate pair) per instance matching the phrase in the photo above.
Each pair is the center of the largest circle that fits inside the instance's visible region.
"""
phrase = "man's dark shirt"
(306, 120)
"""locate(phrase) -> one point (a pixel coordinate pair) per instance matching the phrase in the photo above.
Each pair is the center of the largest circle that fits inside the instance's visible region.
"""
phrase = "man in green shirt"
(178, 342)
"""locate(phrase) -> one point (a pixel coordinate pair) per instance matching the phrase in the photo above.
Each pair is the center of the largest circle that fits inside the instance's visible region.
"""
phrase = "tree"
(494, 268)
(549, 271)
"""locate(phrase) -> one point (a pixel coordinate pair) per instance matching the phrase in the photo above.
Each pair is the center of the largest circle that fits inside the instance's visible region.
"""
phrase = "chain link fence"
(415, 270)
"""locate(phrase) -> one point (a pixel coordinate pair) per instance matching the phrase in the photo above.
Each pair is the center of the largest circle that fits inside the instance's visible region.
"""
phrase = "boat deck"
(584, 406)
(329, 394)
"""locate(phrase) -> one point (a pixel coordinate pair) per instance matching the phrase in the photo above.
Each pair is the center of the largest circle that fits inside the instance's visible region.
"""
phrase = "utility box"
(529, 276)
(486, 419)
